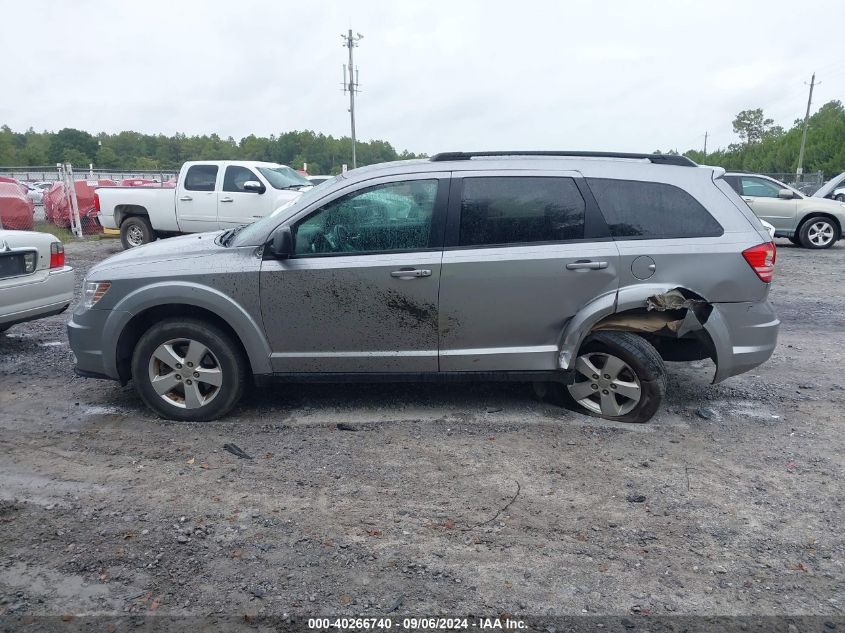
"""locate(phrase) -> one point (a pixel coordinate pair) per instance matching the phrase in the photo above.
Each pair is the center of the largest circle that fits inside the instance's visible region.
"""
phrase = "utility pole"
(800, 171)
(705, 144)
(351, 41)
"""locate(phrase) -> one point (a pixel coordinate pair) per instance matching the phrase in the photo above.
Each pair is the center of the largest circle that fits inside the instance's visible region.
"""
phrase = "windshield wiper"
(223, 237)
(296, 186)
(227, 237)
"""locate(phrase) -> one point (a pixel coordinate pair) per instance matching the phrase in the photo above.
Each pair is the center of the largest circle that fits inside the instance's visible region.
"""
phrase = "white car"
(833, 189)
(36, 191)
(34, 281)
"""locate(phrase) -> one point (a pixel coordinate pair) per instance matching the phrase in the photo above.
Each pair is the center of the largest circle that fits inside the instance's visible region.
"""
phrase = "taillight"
(97, 201)
(762, 259)
(57, 255)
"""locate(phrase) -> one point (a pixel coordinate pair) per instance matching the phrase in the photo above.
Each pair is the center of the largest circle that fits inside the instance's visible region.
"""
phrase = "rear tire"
(188, 370)
(136, 231)
(818, 232)
(619, 376)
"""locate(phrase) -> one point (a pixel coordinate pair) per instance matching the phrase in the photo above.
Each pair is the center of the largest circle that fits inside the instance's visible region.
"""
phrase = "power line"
(351, 41)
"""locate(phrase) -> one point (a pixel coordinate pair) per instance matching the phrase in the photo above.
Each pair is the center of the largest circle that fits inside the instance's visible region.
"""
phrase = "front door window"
(386, 218)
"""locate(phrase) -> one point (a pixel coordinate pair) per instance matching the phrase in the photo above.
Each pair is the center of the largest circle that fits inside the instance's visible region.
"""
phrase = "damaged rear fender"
(665, 310)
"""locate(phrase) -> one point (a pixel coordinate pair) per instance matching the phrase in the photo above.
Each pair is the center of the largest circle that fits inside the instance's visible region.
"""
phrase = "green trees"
(771, 149)
(132, 150)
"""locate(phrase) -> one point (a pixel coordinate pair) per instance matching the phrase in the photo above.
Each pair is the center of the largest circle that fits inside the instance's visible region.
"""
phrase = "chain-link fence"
(51, 174)
(807, 183)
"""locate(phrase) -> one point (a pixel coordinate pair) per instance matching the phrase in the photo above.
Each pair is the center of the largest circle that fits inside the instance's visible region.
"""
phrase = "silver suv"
(807, 221)
(580, 272)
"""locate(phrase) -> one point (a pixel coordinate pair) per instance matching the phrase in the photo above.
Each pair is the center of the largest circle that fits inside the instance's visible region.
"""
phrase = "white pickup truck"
(209, 195)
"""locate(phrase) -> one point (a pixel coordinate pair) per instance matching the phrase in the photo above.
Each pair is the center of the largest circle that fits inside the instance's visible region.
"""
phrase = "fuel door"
(643, 267)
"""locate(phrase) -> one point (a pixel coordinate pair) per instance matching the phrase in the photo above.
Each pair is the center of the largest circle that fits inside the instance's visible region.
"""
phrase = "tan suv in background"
(807, 221)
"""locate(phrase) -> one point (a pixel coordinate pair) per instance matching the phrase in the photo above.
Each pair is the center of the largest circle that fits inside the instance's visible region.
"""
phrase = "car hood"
(173, 250)
(829, 186)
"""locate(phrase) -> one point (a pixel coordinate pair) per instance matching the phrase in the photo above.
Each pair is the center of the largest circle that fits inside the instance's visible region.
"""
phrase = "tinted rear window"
(519, 210)
(201, 178)
(651, 210)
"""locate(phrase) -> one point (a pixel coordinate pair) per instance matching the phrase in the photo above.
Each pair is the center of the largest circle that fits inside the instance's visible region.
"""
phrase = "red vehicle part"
(57, 210)
(16, 209)
(137, 182)
(7, 179)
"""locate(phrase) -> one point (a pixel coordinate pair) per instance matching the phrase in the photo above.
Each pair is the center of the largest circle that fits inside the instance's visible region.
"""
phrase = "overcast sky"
(435, 75)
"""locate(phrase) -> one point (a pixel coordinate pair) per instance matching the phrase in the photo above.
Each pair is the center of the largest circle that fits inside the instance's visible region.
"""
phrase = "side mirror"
(786, 194)
(253, 186)
(283, 243)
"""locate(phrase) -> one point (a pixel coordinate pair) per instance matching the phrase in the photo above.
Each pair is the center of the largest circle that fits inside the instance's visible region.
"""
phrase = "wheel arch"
(818, 214)
(678, 333)
(123, 211)
(151, 304)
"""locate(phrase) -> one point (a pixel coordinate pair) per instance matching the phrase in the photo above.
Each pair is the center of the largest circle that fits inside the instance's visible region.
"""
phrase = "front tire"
(619, 376)
(818, 232)
(136, 231)
(188, 370)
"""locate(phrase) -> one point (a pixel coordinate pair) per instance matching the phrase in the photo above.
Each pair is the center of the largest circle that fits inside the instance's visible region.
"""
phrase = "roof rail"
(657, 159)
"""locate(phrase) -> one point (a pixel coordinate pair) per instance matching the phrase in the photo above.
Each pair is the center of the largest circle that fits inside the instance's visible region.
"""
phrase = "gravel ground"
(447, 499)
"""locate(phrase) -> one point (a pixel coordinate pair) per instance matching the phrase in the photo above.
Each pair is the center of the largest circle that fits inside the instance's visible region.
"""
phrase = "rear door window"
(651, 210)
(201, 178)
(499, 210)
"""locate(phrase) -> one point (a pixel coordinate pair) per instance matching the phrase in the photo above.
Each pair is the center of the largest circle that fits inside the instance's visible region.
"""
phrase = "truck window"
(201, 178)
(236, 176)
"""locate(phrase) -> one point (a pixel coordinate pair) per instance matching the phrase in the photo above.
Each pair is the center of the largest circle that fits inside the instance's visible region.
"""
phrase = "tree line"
(763, 147)
(324, 154)
(769, 148)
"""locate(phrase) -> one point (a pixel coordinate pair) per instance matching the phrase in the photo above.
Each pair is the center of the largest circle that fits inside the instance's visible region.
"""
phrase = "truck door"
(196, 199)
(237, 205)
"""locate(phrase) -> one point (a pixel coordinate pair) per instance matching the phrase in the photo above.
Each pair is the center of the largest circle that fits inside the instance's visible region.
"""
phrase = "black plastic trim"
(657, 159)
(84, 373)
(430, 377)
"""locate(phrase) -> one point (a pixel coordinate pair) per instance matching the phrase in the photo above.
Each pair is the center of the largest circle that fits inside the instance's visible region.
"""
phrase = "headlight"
(93, 291)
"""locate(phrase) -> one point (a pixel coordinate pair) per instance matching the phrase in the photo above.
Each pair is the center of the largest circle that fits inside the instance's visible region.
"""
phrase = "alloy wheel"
(185, 373)
(605, 384)
(820, 233)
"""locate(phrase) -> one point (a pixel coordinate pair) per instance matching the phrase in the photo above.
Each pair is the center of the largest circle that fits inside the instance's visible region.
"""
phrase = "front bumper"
(93, 339)
(744, 336)
(43, 296)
